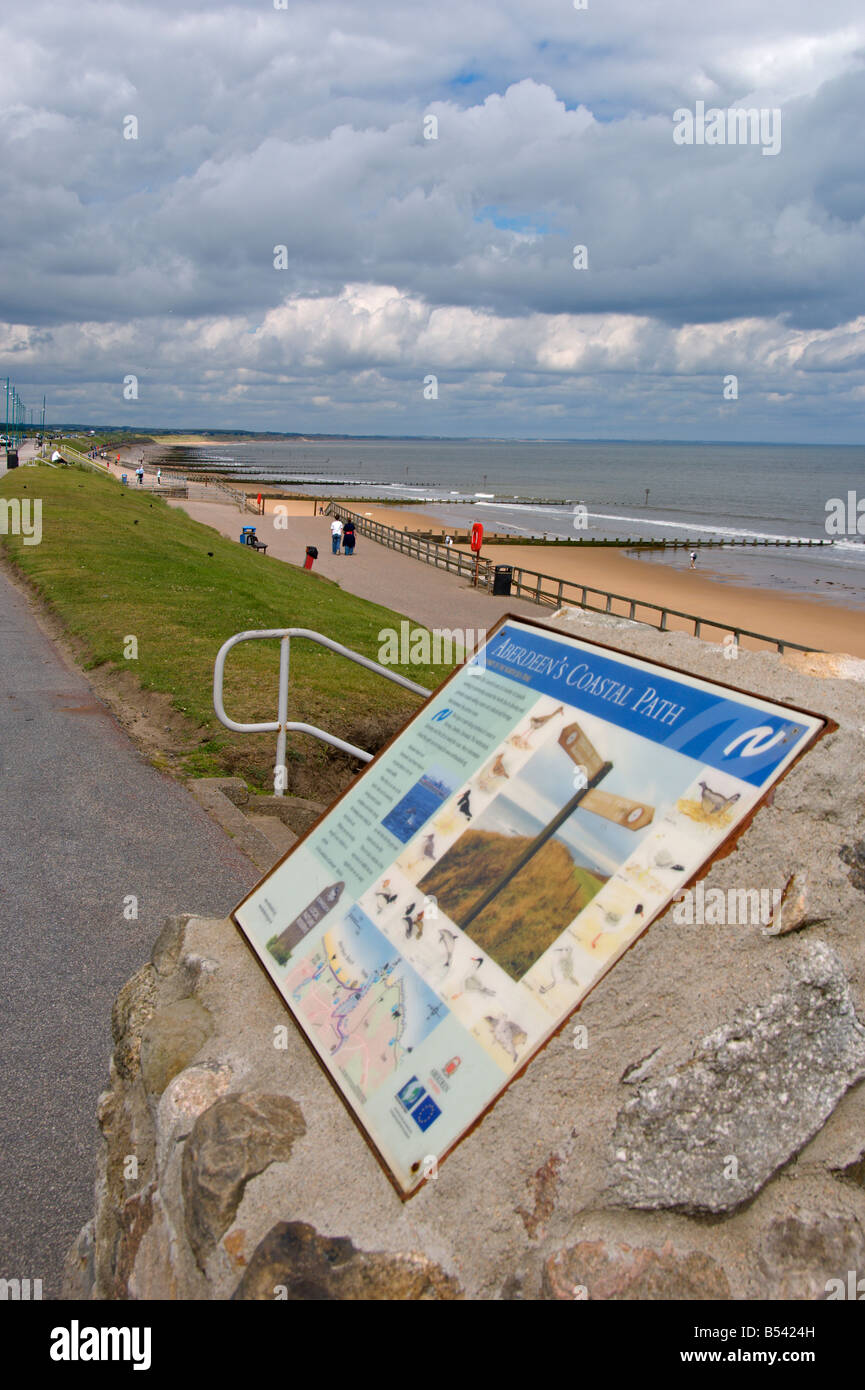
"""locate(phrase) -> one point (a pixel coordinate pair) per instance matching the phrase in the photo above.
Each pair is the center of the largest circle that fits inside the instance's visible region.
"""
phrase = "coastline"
(827, 626)
(817, 623)
(187, 441)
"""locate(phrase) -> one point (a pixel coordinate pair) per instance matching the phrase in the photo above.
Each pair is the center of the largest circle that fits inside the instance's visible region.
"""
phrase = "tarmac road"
(84, 822)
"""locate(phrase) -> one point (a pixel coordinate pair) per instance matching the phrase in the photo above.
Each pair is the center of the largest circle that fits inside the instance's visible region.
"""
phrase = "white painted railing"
(283, 725)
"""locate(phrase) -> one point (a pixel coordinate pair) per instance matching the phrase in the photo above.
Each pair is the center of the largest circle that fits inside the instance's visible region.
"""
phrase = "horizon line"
(453, 438)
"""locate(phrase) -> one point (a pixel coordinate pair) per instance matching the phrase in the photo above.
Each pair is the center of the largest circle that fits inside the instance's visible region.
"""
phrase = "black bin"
(11, 458)
(502, 579)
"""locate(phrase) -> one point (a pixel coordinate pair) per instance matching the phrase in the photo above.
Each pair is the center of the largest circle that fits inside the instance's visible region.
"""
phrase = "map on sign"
(361, 1001)
(449, 912)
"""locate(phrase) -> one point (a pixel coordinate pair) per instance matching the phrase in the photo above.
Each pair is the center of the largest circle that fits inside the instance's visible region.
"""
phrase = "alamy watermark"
(77, 1343)
(21, 518)
(845, 518)
(20, 1290)
(438, 646)
(733, 907)
(853, 1290)
(738, 125)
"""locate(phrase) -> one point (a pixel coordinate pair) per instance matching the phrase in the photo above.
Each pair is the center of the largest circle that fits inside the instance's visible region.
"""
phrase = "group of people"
(139, 473)
(342, 534)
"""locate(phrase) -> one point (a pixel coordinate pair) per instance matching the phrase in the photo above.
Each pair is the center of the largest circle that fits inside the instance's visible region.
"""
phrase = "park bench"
(248, 537)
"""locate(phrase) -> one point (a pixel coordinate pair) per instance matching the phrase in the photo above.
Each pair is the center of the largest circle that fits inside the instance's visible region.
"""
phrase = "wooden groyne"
(614, 542)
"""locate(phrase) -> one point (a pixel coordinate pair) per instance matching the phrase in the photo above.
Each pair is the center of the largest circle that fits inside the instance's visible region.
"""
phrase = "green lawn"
(114, 563)
(113, 442)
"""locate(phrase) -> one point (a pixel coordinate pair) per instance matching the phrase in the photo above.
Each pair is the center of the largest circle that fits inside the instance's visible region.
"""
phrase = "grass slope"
(115, 564)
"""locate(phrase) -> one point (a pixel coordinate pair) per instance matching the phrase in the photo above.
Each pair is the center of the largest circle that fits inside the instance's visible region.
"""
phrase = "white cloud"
(304, 127)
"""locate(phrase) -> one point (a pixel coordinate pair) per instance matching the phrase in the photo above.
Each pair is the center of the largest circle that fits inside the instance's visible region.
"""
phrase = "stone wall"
(708, 1142)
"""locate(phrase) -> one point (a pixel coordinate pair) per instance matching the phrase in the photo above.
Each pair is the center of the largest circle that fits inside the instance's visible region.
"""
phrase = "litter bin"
(502, 579)
(124, 480)
(11, 458)
(311, 554)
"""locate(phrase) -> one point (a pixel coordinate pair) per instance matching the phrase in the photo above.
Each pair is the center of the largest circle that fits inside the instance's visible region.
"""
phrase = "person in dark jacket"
(348, 538)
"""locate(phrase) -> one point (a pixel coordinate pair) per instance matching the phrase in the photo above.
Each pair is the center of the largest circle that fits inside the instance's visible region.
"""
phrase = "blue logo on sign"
(410, 1093)
(424, 1114)
(442, 714)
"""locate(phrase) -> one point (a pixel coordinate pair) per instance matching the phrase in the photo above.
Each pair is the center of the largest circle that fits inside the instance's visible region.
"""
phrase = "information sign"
(444, 918)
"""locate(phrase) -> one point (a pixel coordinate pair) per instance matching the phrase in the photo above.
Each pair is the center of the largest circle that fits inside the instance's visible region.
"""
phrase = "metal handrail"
(95, 465)
(283, 725)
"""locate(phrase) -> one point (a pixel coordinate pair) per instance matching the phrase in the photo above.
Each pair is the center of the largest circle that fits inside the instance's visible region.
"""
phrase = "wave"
(647, 522)
(701, 526)
(554, 510)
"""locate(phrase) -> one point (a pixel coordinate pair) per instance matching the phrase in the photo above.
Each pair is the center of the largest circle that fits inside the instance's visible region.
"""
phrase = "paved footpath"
(423, 593)
(86, 821)
(26, 451)
(426, 595)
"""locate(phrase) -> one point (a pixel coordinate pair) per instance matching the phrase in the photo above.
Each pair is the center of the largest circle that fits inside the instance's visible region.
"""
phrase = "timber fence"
(549, 591)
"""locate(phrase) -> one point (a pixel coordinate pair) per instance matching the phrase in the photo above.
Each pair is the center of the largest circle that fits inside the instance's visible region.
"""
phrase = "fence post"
(453, 560)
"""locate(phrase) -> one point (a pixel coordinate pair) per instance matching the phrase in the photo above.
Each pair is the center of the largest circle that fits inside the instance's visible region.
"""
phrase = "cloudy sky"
(409, 257)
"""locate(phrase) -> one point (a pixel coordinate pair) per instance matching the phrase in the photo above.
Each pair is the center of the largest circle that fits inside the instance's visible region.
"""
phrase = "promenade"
(424, 594)
(87, 824)
(438, 599)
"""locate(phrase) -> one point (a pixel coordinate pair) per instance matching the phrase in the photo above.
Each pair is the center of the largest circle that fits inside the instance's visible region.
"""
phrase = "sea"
(598, 490)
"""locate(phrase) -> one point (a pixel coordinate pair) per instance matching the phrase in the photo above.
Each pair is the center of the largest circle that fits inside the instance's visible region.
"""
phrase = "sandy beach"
(191, 441)
(810, 622)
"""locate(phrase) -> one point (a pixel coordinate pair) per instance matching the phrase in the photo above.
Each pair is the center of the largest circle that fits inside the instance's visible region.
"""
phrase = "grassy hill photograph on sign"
(533, 908)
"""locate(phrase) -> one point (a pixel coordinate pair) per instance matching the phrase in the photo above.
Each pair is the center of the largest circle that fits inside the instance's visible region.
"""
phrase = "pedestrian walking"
(336, 534)
(159, 477)
(348, 538)
(693, 559)
(139, 473)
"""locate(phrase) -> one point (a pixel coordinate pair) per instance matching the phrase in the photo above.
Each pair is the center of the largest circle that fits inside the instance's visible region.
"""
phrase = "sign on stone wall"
(444, 918)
